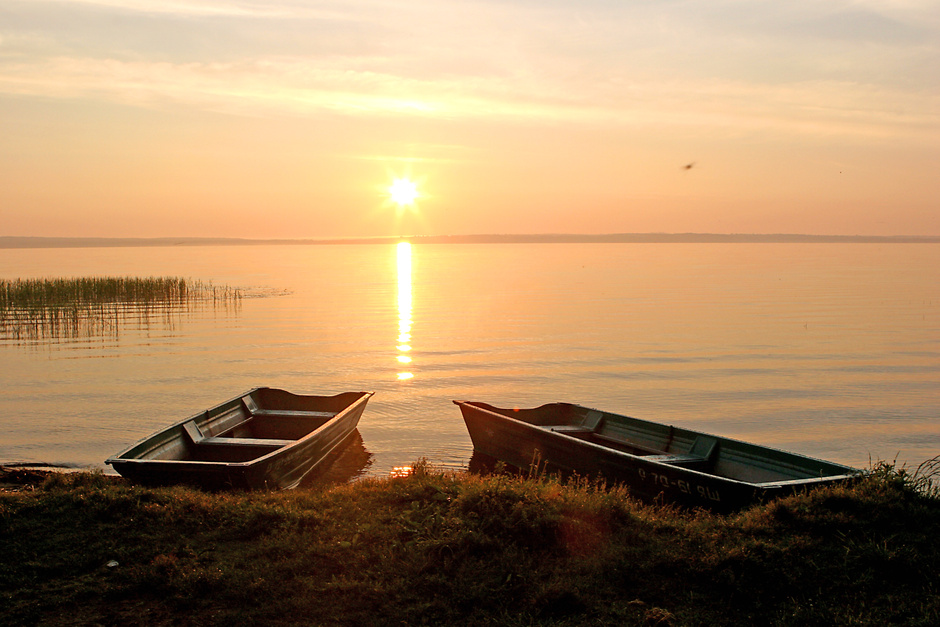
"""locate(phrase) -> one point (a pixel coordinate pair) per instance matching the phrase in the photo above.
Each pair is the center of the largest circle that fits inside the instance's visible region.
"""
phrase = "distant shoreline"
(613, 238)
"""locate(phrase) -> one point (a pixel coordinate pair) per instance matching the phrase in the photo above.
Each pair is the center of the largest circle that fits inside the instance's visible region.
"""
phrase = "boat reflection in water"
(347, 462)
(483, 464)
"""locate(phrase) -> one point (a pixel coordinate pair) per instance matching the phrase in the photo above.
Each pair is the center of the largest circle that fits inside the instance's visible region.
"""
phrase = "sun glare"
(403, 192)
(404, 308)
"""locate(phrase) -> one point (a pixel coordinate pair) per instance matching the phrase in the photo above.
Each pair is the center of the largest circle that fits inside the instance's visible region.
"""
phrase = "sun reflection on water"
(404, 308)
(401, 471)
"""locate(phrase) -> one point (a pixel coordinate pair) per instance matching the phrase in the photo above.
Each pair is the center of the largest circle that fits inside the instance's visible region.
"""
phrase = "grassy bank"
(458, 549)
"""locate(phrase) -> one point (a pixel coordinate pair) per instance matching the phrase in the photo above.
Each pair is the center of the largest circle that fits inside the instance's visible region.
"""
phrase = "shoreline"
(461, 549)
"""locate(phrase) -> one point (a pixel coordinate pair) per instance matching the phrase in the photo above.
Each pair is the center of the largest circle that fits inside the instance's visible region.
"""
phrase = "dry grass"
(459, 549)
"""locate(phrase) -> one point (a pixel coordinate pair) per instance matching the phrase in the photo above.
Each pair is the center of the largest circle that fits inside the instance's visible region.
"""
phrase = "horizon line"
(10, 242)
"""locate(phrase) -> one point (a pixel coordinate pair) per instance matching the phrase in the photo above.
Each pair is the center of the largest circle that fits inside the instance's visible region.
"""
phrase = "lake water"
(831, 350)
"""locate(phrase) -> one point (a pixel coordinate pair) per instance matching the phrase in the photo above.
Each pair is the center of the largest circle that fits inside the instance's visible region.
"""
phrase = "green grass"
(72, 307)
(440, 548)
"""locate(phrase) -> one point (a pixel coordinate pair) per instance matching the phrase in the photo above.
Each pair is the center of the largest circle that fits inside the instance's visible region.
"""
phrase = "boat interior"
(244, 432)
(685, 448)
(669, 447)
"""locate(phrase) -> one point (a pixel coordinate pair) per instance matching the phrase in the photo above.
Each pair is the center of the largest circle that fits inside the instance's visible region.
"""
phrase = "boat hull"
(263, 439)
(655, 461)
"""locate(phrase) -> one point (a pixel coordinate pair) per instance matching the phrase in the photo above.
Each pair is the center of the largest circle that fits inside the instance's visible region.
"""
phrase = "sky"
(293, 118)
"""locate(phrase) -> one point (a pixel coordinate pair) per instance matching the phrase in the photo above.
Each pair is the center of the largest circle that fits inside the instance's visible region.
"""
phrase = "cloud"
(210, 8)
(844, 68)
(299, 87)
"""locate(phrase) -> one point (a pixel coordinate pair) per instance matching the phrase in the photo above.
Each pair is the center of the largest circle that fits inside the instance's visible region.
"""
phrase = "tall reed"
(55, 307)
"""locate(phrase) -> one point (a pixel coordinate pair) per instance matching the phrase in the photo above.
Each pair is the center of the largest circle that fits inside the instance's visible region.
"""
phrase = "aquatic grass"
(439, 547)
(92, 306)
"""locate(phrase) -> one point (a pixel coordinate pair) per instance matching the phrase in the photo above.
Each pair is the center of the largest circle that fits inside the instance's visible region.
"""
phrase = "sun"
(403, 192)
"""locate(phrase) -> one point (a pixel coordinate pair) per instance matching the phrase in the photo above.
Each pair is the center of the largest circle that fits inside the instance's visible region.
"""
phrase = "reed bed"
(90, 306)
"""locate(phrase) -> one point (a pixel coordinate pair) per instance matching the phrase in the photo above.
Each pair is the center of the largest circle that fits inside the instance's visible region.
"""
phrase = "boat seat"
(293, 413)
(192, 430)
(673, 459)
(589, 424)
(704, 447)
(593, 420)
(250, 404)
(703, 451)
(254, 410)
(569, 429)
(266, 442)
(630, 446)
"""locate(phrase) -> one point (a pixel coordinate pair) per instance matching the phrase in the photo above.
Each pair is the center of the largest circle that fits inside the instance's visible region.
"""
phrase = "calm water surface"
(829, 350)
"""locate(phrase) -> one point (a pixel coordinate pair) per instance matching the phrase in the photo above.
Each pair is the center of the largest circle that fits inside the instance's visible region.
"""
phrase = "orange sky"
(289, 118)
